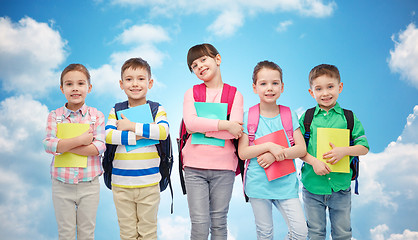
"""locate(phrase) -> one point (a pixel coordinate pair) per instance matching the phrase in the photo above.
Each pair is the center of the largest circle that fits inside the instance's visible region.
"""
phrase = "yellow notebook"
(67, 159)
(340, 138)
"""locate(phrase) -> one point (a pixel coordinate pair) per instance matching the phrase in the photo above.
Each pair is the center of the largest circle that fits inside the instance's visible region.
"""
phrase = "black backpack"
(164, 151)
(355, 163)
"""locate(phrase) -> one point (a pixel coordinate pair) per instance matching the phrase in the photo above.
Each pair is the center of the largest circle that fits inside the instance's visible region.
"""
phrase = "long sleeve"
(237, 113)
(51, 141)
(99, 133)
(117, 137)
(158, 130)
(210, 126)
(191, 120)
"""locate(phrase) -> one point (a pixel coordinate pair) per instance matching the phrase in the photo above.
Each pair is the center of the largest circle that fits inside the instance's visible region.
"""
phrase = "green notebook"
(211, 111)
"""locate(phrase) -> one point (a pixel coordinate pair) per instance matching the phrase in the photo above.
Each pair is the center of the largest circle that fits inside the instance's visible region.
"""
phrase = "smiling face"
(75, 86)
(207, 68)
(268, 85)
(325, 90)
(135, 83)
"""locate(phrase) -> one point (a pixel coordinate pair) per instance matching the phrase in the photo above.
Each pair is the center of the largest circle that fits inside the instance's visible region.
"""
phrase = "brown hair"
(324, 69)
(198, 51)
(135, 63)
(268, 65)
(75, 67)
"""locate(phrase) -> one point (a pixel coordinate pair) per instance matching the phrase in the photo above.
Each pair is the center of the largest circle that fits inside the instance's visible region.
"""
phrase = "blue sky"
(374, 44)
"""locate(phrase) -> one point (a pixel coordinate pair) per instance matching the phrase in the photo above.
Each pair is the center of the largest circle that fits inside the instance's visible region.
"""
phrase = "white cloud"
(381, 174)
(105, 79)
(22, 121)
(404, 58)
(174, 228)
(380, 231)
(284, 25)
(30, 54)
(227, 23)
(232, 13)
(144, 34)
(25, 201)
(20, 210)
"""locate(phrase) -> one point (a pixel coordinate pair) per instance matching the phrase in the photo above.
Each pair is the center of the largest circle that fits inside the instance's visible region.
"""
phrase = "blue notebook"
(139, 114)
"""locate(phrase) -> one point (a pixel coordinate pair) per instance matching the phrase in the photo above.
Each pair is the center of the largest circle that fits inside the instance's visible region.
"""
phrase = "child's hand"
(235, 128)
(335, 154)
(87, 137)
(266, 159)
(125, 124)
(139, 137)
(277, 151)
(320, 168)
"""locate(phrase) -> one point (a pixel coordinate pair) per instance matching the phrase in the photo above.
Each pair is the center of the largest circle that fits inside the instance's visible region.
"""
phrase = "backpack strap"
(354, 164)
(166, 168)
(93, 115)
(121, 106)
(286, 118)
(59, 113)
(307, 124)
(109, 154)
(199, 92)
(350, 123)
(228, 95)
(252, 125)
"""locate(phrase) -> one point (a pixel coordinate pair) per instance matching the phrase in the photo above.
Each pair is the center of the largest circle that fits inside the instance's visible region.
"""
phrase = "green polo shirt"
(324, 185)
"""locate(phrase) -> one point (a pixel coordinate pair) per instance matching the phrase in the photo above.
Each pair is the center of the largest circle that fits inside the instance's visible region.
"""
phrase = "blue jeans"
(291, 210)
(208, 196)
(339, 208)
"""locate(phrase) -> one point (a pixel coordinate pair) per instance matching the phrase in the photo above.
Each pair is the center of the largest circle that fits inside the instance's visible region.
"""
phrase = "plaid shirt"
(94, 167)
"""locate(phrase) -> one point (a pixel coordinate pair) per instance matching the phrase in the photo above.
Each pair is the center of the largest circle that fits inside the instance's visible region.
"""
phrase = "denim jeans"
(208, 196)
(339, 208)
(291, 210)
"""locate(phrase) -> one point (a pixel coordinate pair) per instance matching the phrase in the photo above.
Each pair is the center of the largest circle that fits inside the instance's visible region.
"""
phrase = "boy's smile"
(75, 87)
(135, 83)
(325, 90)
(269, 85)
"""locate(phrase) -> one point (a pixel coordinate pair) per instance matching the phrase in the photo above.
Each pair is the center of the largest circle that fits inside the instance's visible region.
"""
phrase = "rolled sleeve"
(51, 141)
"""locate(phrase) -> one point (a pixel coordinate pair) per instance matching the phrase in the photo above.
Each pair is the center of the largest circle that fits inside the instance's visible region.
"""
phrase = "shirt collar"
(82, 110)
(336, 109)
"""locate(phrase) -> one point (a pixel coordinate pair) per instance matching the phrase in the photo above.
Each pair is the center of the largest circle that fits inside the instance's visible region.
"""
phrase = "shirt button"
(329, 178)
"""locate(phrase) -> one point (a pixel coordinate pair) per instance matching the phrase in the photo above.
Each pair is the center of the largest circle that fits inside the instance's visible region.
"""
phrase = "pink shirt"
(208, 156)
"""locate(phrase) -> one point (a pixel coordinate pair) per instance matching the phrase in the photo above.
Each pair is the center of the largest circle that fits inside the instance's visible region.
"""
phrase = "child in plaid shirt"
(75, 190)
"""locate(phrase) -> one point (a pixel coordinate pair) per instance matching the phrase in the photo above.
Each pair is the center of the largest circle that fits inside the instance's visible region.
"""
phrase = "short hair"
(75, 67)
(324, 69)
(135, 63)
(268, 65)
(198, 51)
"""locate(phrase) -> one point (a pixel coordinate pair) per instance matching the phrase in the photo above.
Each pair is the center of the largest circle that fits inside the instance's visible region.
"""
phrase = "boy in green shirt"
(323, 188)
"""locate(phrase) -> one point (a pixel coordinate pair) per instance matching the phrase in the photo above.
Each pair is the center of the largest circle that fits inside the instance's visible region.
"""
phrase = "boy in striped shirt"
(135, 174)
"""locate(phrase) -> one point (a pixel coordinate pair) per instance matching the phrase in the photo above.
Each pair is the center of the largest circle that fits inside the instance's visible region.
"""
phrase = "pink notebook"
(278, 168)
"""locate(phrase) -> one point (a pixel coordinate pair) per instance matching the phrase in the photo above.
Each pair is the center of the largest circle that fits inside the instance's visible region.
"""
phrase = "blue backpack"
(164, 151)
(355, 162)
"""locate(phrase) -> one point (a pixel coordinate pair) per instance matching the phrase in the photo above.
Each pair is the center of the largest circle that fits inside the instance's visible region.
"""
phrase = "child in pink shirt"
(210, 170)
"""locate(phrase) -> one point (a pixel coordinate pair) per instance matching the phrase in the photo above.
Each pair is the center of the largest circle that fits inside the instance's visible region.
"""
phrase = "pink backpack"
(252, 125)
(199, 95)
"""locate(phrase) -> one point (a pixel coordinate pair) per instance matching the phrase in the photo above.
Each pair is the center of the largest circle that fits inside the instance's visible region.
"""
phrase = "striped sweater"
(139, 167)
